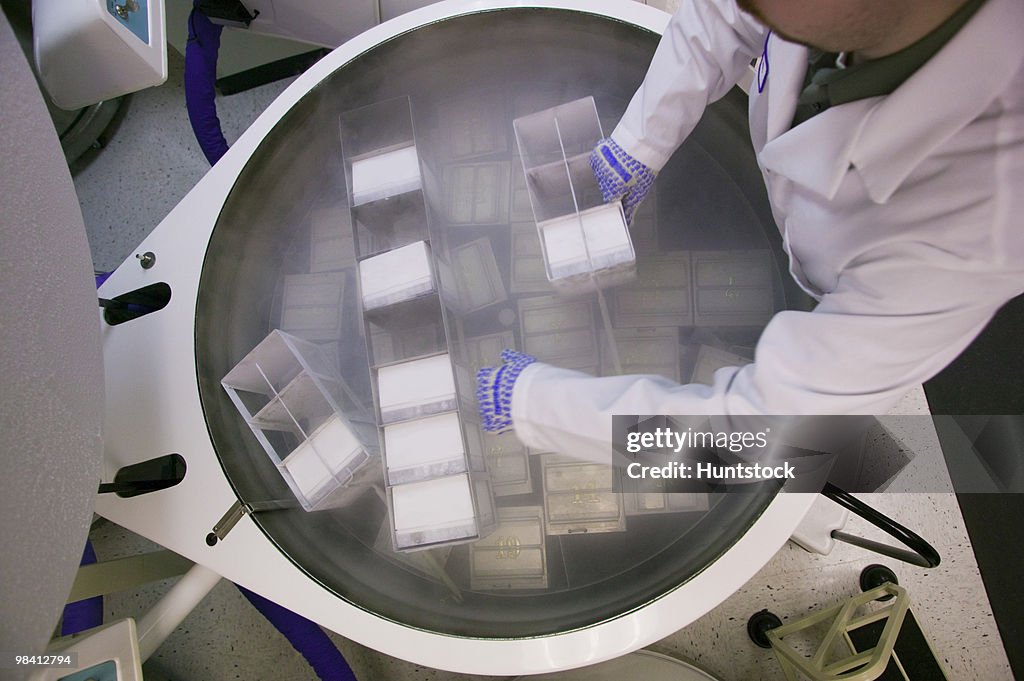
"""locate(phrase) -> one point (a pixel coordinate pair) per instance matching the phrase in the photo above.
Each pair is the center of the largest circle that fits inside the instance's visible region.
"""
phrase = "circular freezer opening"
(466, 79)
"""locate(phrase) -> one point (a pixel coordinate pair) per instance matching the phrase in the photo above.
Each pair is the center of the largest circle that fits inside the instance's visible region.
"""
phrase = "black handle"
(920, 552)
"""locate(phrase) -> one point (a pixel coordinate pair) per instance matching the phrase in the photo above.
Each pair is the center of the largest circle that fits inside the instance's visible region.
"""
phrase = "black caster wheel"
(758, 626)
(876, 575)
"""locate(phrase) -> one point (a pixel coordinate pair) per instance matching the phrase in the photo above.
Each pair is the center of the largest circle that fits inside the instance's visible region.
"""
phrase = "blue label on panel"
(133, 15)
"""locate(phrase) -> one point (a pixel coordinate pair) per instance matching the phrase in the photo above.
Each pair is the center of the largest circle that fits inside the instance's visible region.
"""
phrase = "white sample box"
(586, 242)
(514, 555)
(384, 174)
(711, 359)
(440, 511)
(326, 459)
(311, 307)
(416, 388)
(424, 448)
(315, 431)
(580, 497)
(396, 276)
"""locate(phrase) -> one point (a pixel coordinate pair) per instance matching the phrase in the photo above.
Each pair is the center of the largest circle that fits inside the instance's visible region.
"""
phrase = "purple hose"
(306, 637)
(85, 614)
(200, 78)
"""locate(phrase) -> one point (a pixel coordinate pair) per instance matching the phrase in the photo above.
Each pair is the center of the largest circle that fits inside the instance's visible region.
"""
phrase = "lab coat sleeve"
(704, 51)
(894, 320)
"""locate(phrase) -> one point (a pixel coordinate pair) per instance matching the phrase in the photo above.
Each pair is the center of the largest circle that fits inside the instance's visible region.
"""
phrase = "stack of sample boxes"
(438, 492)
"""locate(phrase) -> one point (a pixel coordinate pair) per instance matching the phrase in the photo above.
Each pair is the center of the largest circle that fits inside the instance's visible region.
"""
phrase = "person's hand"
(494, 390)
(620, 176)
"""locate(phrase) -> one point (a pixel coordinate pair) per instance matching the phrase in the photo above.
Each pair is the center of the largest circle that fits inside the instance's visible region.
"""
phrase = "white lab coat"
(902, 215)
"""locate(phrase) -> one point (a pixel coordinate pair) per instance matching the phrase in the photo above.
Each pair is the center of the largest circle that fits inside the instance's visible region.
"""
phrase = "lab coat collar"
(787, 65)
(873, 136)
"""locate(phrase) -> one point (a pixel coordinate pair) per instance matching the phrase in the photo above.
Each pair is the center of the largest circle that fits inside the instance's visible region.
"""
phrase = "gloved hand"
(620, 176)
(494, 390)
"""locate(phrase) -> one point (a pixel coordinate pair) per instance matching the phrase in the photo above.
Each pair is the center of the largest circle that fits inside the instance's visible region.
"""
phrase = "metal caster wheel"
(876, 575)
(758, 626)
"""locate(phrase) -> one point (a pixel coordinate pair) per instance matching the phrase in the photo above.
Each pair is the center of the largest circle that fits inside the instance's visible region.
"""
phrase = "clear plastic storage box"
(585, 241)
(315, 431)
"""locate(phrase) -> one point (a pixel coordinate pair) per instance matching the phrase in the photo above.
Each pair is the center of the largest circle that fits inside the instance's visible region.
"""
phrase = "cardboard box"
(514, 555)
(580, 497)
(733, 288)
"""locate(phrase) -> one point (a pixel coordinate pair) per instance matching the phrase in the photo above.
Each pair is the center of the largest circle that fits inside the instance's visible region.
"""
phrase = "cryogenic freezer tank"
(273, 222)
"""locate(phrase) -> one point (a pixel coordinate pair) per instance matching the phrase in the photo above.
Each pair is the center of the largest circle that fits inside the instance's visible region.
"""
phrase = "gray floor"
(150, 164)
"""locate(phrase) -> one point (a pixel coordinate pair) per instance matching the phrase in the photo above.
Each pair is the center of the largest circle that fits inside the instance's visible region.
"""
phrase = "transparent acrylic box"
(379, 151)
(384, 176)
(585, 242)
(317, 433)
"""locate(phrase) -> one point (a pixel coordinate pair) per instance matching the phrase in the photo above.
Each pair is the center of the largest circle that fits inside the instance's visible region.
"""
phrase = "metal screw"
(123, 10)
(147, 259)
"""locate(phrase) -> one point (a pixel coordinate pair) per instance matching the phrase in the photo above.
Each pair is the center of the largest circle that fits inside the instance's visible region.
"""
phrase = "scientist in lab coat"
(890, 135)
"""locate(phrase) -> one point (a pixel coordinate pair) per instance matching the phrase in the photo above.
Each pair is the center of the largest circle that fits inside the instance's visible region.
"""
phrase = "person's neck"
(922, 18)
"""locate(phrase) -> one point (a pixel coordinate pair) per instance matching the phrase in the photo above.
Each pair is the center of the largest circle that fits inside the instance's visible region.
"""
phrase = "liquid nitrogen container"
(336, 280)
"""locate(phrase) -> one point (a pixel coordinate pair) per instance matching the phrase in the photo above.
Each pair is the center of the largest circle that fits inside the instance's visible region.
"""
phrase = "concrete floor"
(152, 161)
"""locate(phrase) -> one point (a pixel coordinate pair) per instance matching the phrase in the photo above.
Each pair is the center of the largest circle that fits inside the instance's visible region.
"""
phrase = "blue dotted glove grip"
(620, 176)
(494, 387)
